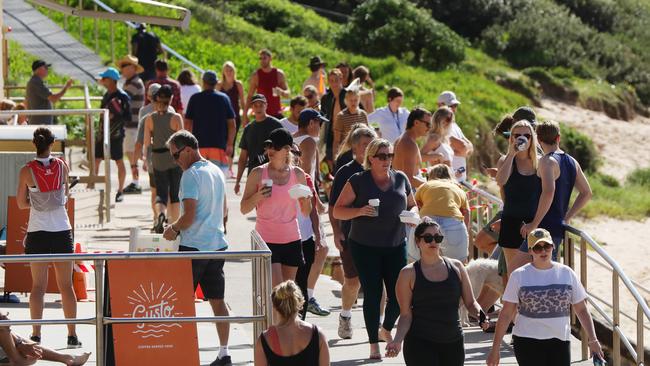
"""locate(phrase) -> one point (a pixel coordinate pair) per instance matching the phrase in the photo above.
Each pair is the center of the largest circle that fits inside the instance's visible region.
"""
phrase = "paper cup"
(375, 204)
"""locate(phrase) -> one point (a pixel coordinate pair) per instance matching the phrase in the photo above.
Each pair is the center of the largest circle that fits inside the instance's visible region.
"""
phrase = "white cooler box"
(140, 241)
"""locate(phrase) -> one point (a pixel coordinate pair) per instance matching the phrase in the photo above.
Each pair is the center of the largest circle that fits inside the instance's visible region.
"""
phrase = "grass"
(631, 201)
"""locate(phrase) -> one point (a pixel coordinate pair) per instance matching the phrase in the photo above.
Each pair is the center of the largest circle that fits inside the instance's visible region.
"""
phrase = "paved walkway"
(40, 36)
(135, 211)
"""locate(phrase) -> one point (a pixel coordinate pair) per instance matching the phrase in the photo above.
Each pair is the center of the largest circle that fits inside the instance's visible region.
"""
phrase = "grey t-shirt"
(37, 98)
(385, 230)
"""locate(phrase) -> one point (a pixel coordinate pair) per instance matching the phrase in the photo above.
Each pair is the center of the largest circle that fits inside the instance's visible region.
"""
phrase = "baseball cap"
(110, 73)
(526, 113)
(448, 98)
(279, 138)
(308, 114)
(539, 236)
(153, 89)
(316, 61)
(38, 63)
(210, 77)
(257, 98)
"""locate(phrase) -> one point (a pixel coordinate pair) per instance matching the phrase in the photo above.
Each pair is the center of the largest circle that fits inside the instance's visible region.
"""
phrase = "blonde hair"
(287, 299)
(346, 144)
(439, 117)
(372, 149)
(532, 147)
(234, 70)
(441, 172)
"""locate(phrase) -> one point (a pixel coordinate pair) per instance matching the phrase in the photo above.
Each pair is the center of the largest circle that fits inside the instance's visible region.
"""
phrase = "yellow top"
(441, 198)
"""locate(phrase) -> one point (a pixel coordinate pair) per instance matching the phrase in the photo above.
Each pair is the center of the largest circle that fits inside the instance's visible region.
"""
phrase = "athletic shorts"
(130, 137)
(49, 242)
(209, 274)
(309, 251)
(288, 254)
(116, 149)
(349, 269)
(168, 183)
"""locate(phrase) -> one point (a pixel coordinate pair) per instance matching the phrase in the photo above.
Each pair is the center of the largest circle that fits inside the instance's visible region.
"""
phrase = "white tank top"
(314, 164)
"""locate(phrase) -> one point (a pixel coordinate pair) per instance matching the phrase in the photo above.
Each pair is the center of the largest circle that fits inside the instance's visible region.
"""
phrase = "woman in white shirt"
(542, 292)
(189, 87)
(437, 149)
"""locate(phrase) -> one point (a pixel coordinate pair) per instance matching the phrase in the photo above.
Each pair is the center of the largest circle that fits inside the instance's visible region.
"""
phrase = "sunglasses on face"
(428, 123)
(177, 154)
(526, 135)
(546, 247)
(384, 156)
(429, 238)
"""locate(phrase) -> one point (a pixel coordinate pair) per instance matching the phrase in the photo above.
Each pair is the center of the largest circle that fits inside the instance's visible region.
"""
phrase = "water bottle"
(520, 143)
(598, 361)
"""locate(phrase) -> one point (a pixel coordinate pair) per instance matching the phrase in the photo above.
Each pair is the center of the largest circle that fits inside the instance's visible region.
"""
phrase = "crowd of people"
(373, 167)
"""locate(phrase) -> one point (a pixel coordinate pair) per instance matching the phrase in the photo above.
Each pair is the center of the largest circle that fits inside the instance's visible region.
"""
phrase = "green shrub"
(581, 147)
(397, 27)
(599, 14)
(639, 177)
(606, 180)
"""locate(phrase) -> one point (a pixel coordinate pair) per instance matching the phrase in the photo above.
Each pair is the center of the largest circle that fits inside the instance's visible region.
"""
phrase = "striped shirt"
(344, 120)
(134, 87)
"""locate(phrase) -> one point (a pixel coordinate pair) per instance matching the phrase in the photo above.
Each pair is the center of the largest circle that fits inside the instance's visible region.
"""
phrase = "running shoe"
(73, 342)
(119, 197)
(133, 189)
(345, 327)
(35, 339)
(223, 361)
(160, 225)
(314, 308)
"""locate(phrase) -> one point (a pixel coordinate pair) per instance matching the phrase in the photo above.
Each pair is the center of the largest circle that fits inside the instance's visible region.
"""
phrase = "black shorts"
(117, 151)
(289, 254)
(309, 251)
(49, 242)
(509, 236)
(152, 180)
(349, 269)
(208, 273)
(168, 183)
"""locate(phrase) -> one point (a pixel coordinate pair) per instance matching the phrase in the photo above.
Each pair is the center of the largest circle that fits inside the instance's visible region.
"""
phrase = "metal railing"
(90, 139)
(260, 256)
(483, 205)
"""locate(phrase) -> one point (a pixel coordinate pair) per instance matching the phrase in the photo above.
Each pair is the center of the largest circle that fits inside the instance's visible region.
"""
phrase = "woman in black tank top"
(428, 292)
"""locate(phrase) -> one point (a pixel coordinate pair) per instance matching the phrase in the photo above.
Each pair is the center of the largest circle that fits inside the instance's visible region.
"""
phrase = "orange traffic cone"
(198, 294)
(79, 278)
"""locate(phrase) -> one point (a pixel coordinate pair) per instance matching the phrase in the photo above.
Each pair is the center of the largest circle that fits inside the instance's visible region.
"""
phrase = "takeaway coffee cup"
(375, 204)
(520, 143)
(267, 183)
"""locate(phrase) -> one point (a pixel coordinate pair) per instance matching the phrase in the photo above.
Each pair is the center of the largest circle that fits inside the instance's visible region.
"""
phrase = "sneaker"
(345, 327)
(160, 225)
(73, 342)
(35, 339)
(223, 361)
(119, 197)
(314, 308)
(133, 189)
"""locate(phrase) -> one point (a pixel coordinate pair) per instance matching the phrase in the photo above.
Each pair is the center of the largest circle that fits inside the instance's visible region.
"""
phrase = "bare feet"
(385, 336)
(78, 360)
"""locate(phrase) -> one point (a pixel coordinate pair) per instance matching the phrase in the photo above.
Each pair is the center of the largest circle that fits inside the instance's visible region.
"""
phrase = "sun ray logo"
(153, 301)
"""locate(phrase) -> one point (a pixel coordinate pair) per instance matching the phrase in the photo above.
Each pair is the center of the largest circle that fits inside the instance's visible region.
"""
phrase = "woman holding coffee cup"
(373, 200)
(267, 191)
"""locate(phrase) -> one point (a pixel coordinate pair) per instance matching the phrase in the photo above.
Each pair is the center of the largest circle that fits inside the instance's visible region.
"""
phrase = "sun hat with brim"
(539, 236)
(279, 138)
(110, 73)
(316, 61)
(130, 60)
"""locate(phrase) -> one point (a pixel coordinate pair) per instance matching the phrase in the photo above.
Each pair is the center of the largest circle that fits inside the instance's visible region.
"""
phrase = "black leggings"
(421, 352)
(167, 185)
(308, 252)
(542, 352)
(378, 267)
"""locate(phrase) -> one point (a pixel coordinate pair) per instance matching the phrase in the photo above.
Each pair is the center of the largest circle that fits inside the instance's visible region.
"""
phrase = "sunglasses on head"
(543, 247)
(429, 238)
(177, 154)
(526, 135)
(384, 156)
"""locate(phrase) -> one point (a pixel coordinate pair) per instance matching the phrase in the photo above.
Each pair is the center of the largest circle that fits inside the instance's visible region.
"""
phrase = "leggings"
(542, 352)
(309, 252)
(378, 267)
(421, 352)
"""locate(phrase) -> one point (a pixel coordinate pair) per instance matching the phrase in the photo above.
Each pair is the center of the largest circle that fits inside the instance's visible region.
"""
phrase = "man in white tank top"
(306, 138)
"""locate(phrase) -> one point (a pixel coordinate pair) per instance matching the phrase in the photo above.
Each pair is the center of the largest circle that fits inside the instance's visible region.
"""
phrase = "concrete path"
(40, 36)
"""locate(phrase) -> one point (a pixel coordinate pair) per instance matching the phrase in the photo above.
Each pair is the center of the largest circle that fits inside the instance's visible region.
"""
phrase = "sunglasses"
(526, 135)
(429, 238)
(428, 123)
(546, 247)
(384, 156)
(177, 154)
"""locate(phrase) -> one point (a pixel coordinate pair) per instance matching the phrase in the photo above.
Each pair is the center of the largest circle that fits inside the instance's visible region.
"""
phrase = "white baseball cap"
(448, 98)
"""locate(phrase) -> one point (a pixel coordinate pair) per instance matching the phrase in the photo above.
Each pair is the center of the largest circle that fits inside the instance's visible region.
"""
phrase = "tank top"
(298, 140)
(47, 198)
(233, 95)
(435, 307)
(304, 222)
(308, 356)
(266, 81)
(521, 195)
(554, 219)
(277, 215)
(162, 159)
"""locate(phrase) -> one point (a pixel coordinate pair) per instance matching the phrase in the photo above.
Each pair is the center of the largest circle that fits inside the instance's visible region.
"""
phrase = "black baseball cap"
(307, 114)
(258, 98)
(164, 93)
(210, 77)
(38, 63)
(525, 113)
(279, 138)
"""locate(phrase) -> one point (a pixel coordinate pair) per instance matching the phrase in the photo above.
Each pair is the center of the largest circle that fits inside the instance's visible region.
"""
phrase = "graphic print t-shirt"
(544, 299)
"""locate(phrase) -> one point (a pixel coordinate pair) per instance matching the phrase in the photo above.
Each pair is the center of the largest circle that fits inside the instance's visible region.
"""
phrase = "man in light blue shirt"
(202, 225)
(391, 118)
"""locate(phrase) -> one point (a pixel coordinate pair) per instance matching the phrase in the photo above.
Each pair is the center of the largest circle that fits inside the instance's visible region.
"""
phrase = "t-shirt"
(36, 98)
(391, 125)
(210, 111)
(342, 176)
(441, 198)
(292, 128)
(186, 93)
(253, 137)
(343, 159)
(544, 298)
(458, 162)
(147, 47)
(446, 151)
(385, 230)
(205, 183)
(119, 108)
(344, 120)
(134, 88)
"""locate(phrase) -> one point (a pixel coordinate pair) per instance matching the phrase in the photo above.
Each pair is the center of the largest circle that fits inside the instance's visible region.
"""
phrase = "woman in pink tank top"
(267, 191)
